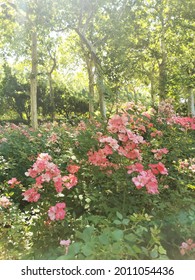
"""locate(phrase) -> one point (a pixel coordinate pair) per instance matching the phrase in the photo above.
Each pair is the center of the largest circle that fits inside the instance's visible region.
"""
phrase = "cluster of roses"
(4, 202)
(166, 109)
(128, 142)
(185, 122)
(44, 170)
(187, 246)
(187, 165)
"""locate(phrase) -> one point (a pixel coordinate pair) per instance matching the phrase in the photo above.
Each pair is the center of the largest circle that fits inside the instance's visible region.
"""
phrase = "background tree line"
(70, 57)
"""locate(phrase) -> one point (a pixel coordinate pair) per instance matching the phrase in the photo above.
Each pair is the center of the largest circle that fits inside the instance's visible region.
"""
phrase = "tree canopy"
(101, 53)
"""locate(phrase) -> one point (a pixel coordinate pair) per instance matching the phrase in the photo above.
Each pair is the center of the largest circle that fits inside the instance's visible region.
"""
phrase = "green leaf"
(104, 239)
(117, 235)
(87, 250)
(75, 248)
(119, 215)
(154, 253)
(131, 237)
(161, 250)
(117, 222)
(136, 249)
(86, 235)
(125, 222)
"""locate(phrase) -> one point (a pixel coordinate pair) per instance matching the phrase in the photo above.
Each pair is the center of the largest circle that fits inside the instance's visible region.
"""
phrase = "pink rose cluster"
(43, 170)
(185, 122)
(57, 212)
(129, 143)
(126, 145)
(187, 246)
(187, 165)
(158, 154)
(4, 202)
(13, 182)
(147, 178)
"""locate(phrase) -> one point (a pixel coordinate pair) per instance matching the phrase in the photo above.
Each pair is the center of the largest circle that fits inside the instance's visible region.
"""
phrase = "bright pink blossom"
(140, 181)
(99, 158)
(137, 167)
(13, 182)
(123, 137)
(117, 123)
(58, 183)
(186, 122)
(73, 168)
(147, 179)
(134, 137)
(158, 168)
(69, 181)
(31, 195)
(129, 151)
(57, 212)
(152, 186)
(43, 170)
(39, 180)
(52, 213)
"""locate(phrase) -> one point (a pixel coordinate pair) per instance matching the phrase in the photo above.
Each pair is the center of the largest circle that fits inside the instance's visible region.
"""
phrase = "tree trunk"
(91, 88)
(51, 95)
(99, 80)
(163, 64)
(33, 81)
(101, 92)
(152, 87)
(192, 103)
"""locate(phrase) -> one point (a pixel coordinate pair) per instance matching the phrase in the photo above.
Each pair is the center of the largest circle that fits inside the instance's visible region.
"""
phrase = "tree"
(35, 17)
(14, 95)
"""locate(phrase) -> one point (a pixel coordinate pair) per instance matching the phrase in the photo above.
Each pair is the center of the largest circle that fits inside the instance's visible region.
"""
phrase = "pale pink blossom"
(187, 246)
(113, 143)
(4, 202)
(158, 153)
(53, 138)
(156, 133)
(65, 243)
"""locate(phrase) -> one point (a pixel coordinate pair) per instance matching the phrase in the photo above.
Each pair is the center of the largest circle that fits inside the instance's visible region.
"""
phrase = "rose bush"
(137, 162)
